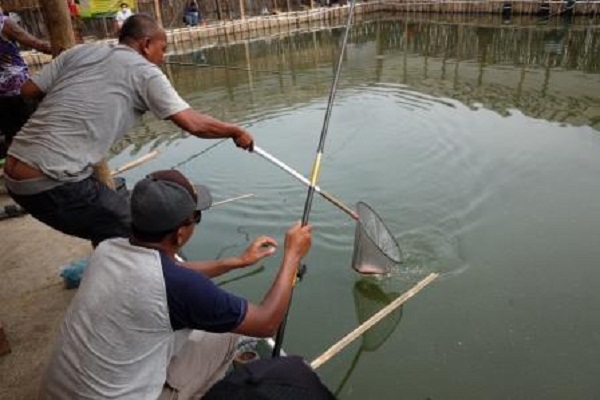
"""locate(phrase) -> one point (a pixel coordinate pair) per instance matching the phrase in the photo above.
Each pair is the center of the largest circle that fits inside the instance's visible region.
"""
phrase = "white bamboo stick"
(244, 196)
(135, 163)
(349, 338)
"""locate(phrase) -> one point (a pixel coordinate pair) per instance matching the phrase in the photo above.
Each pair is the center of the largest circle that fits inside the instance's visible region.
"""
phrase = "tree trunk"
(58, 23)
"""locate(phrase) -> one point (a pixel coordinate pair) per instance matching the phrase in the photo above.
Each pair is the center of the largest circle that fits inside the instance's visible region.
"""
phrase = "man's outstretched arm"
(260, 248)
(14, 32)
(207, 127)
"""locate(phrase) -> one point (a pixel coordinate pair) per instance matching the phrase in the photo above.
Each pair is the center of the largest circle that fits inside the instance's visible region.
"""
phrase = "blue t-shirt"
(195, 302)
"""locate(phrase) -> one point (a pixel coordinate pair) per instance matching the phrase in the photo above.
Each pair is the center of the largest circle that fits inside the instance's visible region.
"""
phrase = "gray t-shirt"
(95, 93)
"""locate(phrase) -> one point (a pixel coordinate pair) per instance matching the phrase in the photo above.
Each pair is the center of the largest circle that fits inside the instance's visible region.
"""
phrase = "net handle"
(338, 203)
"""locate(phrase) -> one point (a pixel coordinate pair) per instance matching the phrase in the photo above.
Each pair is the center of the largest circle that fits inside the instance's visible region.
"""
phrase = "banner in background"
(90, 8)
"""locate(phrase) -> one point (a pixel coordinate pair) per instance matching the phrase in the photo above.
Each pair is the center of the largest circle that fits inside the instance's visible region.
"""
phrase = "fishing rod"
(315, 171)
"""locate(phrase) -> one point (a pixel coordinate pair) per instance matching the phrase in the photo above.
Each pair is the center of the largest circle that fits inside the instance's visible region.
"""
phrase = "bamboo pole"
(368, 324)
(242, 10)
(158, 12)
(143, 159)
(244, 196)
(219, 11)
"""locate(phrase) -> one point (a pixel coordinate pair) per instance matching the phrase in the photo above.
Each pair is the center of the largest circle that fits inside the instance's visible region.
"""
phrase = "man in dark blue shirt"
(145, 326)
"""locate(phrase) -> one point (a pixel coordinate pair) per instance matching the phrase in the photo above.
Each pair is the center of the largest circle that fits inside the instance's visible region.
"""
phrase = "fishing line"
(544, 19)
(196, 155)
(207, 149)
(218, 66)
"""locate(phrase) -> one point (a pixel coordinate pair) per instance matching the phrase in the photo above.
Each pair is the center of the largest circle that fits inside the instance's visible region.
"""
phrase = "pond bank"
(32, 297)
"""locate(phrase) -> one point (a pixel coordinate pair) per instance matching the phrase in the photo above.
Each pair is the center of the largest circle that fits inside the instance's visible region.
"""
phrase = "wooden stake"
(242, 10)
(349, 338)
(158, 13)
(135, 163)
(219, 11)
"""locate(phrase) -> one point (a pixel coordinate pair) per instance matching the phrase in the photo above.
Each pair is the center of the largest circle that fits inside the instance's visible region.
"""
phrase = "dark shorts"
(87, 209)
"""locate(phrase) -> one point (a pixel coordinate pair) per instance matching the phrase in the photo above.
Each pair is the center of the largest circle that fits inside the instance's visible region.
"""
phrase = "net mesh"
(369, 299)
(376, 251)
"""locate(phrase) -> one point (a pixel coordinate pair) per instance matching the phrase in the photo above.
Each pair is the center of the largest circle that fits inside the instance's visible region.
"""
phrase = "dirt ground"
(32, 297)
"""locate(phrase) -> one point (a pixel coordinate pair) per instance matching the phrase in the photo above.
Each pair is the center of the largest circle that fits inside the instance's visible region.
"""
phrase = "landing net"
(376, 251)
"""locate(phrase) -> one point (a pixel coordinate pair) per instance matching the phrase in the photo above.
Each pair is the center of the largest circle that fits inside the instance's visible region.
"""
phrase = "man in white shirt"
(92, 95)
(124, 13)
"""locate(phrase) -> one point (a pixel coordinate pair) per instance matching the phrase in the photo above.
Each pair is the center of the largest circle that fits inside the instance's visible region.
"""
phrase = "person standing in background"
(14, 111)
(192, 13)
(124, 13)
(75, 20)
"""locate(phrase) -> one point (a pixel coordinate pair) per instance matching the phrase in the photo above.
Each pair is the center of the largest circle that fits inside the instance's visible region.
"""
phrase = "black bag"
(281, 378)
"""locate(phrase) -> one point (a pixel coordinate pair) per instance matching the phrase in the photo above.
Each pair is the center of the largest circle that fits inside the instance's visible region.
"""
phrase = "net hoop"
(362, 209)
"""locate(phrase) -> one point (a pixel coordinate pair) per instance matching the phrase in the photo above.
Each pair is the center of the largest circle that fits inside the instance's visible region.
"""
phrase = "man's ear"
(145, 45)
(179, 237)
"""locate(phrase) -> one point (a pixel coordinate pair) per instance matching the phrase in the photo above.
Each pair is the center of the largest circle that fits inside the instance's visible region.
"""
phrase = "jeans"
(87, 209)
(191, 18)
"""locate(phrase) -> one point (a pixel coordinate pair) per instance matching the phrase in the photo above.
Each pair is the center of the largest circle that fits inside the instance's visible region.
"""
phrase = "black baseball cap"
(164, 200)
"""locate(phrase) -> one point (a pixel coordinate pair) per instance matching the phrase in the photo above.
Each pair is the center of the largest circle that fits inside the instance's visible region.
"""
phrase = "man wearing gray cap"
(144, 326)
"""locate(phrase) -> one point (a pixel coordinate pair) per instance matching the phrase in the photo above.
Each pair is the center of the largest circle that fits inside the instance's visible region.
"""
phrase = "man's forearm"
(215, 268)
(204, 126)
(264, 319)
(18, 34)
(208, 127)
(276, 300)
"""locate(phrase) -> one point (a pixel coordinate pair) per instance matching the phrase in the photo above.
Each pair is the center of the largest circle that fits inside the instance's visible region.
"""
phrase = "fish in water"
(370, 269)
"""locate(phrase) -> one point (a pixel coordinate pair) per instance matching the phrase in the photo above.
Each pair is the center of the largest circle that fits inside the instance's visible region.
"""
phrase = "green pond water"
(477, 142)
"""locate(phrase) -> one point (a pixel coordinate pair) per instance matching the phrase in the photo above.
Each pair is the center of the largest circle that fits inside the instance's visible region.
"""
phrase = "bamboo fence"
(233, 17)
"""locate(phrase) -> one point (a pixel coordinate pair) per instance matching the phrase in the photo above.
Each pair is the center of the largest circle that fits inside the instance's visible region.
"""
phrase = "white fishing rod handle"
(283, 166)
(261, 152)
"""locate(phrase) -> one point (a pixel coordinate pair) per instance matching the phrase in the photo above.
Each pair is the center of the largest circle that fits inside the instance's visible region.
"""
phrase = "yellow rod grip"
(314, 176)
